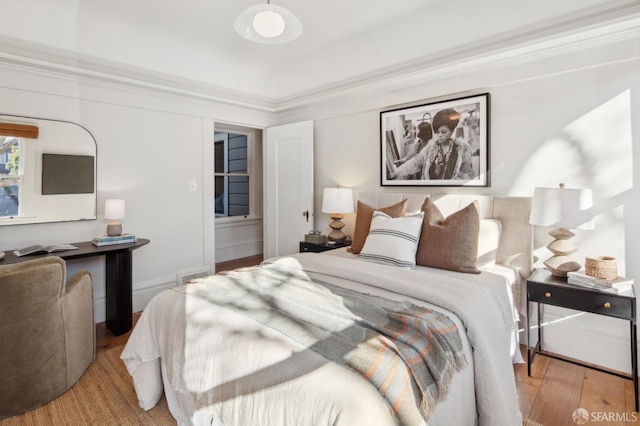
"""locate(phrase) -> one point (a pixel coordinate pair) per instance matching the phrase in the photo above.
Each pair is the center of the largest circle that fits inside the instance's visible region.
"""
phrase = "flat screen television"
(67, 174)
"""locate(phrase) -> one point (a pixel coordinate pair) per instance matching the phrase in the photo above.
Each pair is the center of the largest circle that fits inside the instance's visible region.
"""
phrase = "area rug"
(104, 395)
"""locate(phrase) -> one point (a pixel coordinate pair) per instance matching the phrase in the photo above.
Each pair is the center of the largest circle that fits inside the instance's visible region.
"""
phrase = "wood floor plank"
(559, 394)
(604, 396)
(630, 404)
(528, 387)
(238, 263)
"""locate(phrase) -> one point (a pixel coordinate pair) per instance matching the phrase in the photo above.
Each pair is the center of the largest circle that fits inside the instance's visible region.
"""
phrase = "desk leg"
(118, 289)
(528, 339)
(634, 360)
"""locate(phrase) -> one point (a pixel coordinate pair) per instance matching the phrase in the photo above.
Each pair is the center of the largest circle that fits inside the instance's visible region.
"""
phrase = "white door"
(288, 187)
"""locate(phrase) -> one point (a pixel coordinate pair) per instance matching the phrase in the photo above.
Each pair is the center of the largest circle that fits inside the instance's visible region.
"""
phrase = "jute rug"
(103, 396)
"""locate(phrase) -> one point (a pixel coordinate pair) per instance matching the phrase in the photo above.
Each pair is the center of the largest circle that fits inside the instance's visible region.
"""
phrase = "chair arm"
(79, 325)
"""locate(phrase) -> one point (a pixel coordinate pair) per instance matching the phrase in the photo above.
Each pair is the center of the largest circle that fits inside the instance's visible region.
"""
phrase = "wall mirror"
(47, 171)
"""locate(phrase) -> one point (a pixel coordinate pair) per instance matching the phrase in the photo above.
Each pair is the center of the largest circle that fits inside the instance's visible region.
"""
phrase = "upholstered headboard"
(516, 239)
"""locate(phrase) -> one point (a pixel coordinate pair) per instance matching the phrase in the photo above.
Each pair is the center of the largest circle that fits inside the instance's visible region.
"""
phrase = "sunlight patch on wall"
(603, 137)
(594, 151)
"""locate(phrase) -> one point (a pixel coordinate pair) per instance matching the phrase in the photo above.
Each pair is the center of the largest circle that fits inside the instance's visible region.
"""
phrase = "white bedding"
(192, 348)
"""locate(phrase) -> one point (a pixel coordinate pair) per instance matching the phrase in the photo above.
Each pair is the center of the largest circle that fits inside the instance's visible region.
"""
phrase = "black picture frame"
(412, 153)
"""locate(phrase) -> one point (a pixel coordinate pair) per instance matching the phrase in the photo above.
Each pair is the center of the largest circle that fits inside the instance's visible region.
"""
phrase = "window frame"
(251, 140)
(19, 177)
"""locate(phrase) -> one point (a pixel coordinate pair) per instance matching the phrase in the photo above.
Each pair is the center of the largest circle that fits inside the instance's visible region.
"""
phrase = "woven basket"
(602, 267)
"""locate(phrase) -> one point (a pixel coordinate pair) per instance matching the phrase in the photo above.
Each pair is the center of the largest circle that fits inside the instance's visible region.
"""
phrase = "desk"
(118, 279)
(544, 288)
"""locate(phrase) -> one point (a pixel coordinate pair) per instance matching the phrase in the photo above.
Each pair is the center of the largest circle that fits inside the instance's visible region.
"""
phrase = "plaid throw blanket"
(408, 352)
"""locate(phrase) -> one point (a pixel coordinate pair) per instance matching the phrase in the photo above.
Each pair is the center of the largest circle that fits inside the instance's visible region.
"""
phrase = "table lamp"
(114, 211)
(337, 201)
(563, 209)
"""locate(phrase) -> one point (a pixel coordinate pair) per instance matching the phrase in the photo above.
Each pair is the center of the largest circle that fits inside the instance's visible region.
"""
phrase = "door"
(288, 187)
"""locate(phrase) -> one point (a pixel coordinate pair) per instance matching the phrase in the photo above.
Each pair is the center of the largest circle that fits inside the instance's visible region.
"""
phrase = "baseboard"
(143, 292)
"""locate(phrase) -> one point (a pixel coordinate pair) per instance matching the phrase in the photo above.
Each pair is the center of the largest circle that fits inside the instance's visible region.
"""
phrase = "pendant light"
(268, 24)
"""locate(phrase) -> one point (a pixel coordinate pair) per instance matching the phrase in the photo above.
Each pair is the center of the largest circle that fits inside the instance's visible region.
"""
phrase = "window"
(10, 175)
(233, 173)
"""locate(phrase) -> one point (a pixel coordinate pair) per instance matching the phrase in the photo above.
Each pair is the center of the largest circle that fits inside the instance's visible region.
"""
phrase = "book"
(114, 237)
(623, 289)
(101, 243)
(40, 249)
(615, 283)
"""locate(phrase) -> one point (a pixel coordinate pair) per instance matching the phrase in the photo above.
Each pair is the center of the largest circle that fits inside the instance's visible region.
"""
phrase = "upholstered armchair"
(47, 332)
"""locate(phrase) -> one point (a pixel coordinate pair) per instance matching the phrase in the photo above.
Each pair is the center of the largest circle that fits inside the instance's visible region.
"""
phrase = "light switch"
(192, 186)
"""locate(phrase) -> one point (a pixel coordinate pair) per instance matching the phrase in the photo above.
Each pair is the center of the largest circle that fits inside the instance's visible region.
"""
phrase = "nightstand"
(319, 248)
(542, 287)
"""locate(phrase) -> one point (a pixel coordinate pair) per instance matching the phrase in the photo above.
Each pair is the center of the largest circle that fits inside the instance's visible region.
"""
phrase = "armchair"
(47, 332)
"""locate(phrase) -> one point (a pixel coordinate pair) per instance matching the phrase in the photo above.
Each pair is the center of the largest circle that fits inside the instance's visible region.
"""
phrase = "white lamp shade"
(268, 24)
(562, 208)
(337, 200)
(114, 209)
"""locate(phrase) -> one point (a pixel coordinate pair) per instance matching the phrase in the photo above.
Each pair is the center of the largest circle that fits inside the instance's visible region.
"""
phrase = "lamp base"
(336, 225)
(114, 229)
(560, 263)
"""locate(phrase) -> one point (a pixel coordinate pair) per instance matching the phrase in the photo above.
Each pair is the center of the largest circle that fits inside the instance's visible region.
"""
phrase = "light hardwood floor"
(557, 388)
(550, 396)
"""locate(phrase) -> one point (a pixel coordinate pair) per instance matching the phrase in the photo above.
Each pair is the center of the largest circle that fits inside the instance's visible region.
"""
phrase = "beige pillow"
(363, 221)
(450, 243)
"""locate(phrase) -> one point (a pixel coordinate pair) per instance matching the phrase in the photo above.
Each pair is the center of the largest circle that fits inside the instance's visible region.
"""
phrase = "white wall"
(572, 119)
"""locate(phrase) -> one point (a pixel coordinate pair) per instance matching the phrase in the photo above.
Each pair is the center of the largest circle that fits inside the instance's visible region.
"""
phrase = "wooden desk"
(118, 279)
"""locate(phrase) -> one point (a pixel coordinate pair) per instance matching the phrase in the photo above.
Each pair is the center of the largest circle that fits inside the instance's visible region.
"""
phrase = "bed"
(309, 338)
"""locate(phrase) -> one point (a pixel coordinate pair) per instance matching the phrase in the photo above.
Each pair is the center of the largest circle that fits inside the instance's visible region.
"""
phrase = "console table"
(118, 277)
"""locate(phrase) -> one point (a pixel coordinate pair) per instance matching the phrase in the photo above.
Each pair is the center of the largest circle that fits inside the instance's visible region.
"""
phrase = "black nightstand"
(319, 248)
(542, 287)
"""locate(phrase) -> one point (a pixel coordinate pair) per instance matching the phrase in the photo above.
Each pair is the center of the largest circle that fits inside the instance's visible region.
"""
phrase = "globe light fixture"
(268, 24)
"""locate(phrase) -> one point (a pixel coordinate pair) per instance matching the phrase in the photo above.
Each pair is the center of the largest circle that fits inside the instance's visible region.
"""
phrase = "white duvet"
(217, 366)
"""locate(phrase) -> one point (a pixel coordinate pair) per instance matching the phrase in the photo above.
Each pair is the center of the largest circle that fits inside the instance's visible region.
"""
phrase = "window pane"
(219, 159)
(9, 176)
(237, 154)
(231, 153)
(232, 196)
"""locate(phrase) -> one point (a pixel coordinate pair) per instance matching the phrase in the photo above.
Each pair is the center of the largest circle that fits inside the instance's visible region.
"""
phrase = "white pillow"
(393, 240)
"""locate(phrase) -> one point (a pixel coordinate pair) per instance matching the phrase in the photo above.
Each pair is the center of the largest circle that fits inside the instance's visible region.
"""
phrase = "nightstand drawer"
(578, 299)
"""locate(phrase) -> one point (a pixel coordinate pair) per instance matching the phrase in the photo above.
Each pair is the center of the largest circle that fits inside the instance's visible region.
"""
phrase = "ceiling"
(193, 42)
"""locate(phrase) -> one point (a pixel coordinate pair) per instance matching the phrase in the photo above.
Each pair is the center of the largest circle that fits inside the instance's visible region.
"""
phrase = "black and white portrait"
(438, 144)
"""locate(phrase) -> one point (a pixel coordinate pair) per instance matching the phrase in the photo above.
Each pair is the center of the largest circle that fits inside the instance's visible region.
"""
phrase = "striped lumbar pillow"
(393, 240)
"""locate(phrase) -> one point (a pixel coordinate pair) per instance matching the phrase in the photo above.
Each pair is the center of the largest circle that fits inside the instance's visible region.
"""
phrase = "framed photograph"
(443, 143)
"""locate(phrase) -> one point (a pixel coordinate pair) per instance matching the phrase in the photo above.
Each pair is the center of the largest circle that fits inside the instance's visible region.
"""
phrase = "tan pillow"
(450, 243)
(363, 221)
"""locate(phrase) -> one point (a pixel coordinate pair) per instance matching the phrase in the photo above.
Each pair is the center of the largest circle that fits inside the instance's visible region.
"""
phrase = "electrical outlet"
(192, 186)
